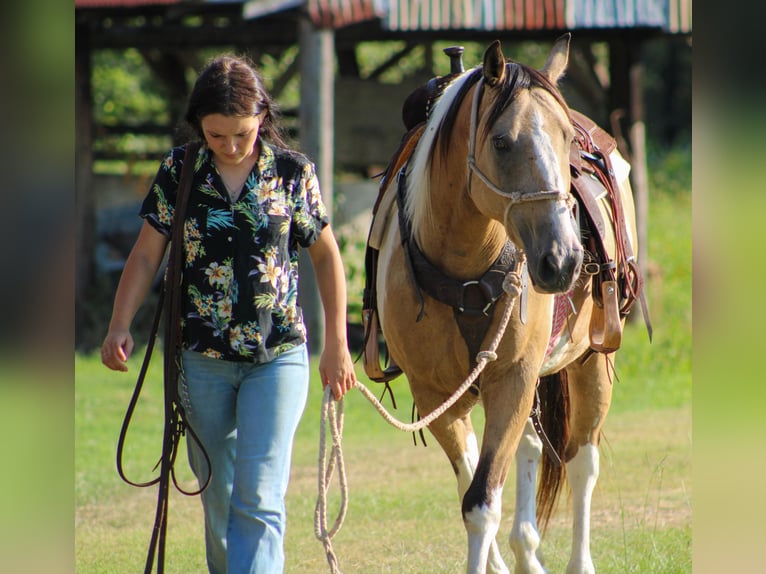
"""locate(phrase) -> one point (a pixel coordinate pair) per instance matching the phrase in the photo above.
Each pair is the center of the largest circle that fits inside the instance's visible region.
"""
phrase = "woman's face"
(230, 138)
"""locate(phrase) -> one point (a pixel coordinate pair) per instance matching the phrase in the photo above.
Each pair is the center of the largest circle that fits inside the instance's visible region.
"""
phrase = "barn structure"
(345, 120)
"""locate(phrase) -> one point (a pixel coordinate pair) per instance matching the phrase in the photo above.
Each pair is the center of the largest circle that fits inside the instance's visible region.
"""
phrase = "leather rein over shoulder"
(175, 419)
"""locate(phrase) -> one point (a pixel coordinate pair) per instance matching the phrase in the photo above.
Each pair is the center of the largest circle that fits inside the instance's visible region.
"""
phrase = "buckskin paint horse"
(487, 188)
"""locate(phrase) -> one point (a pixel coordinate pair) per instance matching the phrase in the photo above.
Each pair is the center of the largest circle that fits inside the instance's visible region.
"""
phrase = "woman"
(245, 372)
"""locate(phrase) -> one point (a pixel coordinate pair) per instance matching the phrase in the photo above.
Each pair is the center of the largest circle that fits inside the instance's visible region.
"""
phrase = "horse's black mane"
(517, 77)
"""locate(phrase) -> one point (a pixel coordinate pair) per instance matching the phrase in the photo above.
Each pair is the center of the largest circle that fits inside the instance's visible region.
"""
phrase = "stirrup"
(605, 323)
(371, 353)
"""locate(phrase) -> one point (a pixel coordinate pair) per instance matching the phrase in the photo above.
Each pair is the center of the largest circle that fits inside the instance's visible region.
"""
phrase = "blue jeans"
(246, 416)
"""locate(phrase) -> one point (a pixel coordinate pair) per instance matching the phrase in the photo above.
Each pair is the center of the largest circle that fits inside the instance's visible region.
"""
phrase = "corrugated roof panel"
(620, 13)
(680, 16)
(121, 3)
(339, 13)
(669, 15)
(479, 14)
(673, 16)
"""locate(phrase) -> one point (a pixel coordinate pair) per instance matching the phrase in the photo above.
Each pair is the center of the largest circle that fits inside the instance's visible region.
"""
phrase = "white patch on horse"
(582, 472)
(558, 355)
(563, 352)
(466, 466)
(525, 538)
(482, 523)
(545, 154)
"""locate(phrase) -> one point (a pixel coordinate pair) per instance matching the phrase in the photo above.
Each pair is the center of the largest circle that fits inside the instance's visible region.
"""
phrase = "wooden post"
(85, 210)
(626, 72)
(317, 65)
(637, 136)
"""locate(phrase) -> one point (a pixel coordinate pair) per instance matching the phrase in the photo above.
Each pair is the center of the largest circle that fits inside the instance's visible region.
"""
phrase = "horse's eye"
(500, 143)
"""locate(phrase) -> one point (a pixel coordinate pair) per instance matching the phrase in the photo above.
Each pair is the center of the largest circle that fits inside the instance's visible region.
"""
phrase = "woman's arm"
(140, 270)
(336, 367)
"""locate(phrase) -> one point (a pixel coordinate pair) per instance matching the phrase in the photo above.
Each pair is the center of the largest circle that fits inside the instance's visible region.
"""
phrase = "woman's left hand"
(336, 368)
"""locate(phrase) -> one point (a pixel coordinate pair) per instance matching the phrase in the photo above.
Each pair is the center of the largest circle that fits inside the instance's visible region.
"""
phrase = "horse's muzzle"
(556, 272)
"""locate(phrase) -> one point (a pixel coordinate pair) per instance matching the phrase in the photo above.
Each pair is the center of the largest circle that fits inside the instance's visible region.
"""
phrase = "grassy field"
(404, 515)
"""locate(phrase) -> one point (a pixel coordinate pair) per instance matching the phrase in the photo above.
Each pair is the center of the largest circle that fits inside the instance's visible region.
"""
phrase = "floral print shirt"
(241, 259)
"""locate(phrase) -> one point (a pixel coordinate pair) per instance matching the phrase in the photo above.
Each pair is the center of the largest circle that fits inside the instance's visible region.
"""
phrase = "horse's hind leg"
(458, 440)
(525, 537)
(590, 391)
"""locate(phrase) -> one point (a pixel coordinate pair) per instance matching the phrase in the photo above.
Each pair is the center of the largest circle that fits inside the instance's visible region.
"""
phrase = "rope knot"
(487, 355)
(512, 284)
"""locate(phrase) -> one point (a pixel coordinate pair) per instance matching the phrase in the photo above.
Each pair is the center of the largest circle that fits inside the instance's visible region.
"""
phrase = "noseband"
(515, 197)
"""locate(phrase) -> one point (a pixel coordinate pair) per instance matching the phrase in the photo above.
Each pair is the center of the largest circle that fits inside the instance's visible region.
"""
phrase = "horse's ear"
(494, 64)
(557, 60)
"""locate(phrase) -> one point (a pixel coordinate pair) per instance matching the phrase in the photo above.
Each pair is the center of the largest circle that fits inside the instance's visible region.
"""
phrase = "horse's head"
(519, 173)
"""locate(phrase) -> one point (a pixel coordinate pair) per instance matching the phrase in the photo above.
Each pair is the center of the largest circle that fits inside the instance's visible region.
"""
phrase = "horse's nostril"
(548, 269)
(555, 273)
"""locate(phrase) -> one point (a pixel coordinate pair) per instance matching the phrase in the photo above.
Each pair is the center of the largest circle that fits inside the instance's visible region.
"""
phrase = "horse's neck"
(458, 238)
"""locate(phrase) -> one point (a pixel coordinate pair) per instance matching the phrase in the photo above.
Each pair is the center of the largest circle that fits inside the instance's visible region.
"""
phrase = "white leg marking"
(525, 538)
(467, 465)
(465, 471)
(582, 472)
(482, 523)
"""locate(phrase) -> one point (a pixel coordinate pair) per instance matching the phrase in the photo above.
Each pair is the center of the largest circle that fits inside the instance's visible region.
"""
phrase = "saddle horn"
(418, 104)
(455, 54)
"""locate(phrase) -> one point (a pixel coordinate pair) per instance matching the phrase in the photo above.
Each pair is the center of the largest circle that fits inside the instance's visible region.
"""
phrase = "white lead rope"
(332, 416)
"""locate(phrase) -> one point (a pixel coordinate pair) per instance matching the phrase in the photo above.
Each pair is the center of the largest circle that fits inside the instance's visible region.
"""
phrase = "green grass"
(659, 374)
(403, 514)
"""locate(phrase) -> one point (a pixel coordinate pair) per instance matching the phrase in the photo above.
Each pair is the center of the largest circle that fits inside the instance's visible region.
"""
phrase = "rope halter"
(515, 197)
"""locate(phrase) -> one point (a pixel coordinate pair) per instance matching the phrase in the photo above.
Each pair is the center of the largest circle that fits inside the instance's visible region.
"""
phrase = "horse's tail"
(553, 393)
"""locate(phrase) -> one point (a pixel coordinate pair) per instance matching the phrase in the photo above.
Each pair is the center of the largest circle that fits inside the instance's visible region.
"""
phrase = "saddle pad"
(561, 308)
(386, 209)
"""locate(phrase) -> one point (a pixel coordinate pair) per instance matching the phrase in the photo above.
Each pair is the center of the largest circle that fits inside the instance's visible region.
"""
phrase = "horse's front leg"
(525, 537)
(504, 403)
(458, 440)
(466, 469)
(482, 521)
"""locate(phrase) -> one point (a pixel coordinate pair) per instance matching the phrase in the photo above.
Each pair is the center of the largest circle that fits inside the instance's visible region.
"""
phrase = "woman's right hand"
(140, 269)
(116, 349)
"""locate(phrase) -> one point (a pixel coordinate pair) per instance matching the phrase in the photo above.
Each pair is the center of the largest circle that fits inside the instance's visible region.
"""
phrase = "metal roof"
(674, 16)
(121, 3)
(410, 15)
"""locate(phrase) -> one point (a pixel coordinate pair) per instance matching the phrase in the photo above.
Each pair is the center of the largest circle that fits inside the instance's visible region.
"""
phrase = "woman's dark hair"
(231, 86)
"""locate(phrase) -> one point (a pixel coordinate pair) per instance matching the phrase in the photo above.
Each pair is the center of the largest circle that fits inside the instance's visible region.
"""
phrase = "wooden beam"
(627, 97)
(188, 26)
(281, 82)
(391, 62)
(317, 58)
(637, 137)
(169, 69)
(85, 213)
